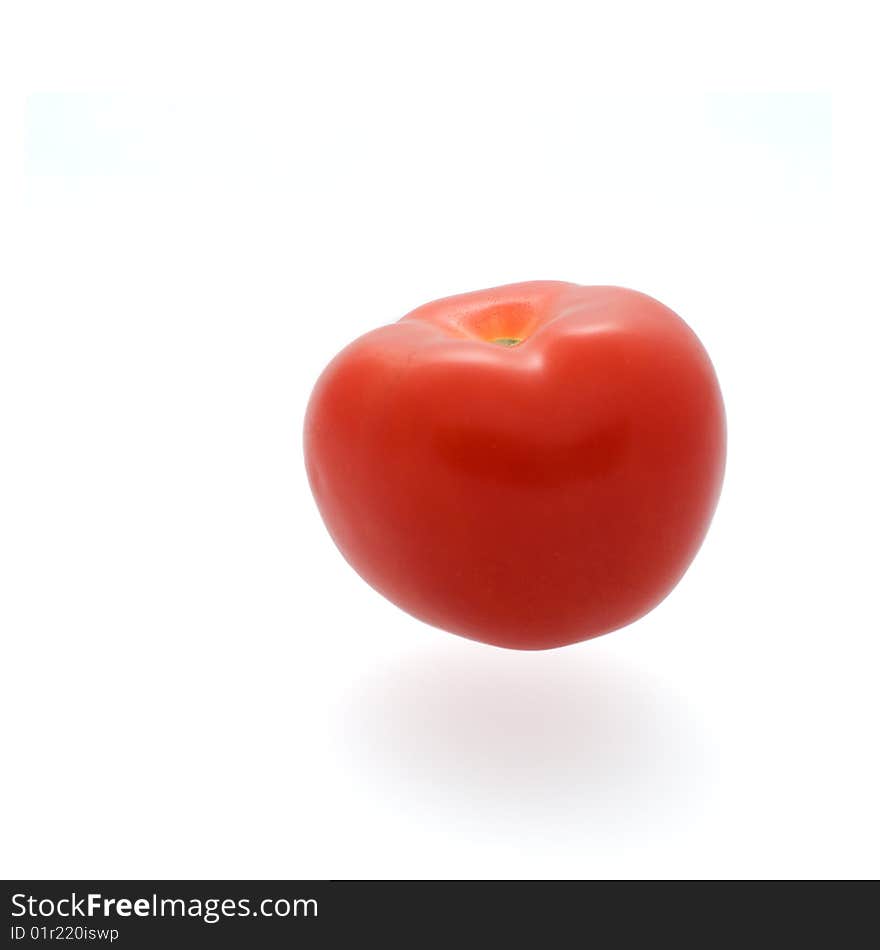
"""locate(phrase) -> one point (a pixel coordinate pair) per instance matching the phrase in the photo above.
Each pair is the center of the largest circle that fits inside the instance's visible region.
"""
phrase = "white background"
(207, 203)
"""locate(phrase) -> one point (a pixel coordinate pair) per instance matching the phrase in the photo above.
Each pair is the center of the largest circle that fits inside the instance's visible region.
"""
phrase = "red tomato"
(530, 466)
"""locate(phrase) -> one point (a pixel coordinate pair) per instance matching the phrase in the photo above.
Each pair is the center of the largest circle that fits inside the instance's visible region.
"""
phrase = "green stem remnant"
(507, 341)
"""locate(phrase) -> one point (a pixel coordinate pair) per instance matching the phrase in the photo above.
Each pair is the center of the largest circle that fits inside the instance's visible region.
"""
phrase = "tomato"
(529, 466)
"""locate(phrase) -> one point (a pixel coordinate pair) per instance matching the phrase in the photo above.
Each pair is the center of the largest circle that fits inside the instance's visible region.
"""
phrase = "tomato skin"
(529, 495)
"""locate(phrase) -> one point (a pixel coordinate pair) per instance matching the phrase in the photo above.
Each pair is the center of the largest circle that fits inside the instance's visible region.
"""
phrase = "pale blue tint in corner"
(126, 134)
(92, 134)
(795, 126)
